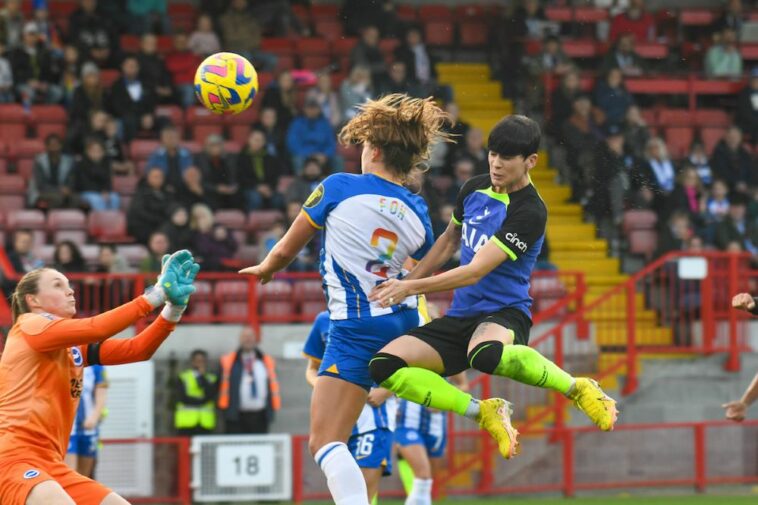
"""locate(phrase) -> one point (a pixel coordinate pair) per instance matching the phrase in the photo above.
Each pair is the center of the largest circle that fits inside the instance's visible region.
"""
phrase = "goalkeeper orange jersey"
(41, 373)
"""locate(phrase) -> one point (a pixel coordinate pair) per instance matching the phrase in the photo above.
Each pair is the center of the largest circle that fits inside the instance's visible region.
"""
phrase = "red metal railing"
(171, 475)
(576, 459)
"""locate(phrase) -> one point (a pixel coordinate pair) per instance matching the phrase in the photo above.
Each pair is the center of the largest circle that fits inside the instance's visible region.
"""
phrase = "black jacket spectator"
(747, 109)
(733, 163)
(219, 173)
(122, 105)
(147, 211)
(93, 176)
(93, 34)
(177, 228)
(40, 66)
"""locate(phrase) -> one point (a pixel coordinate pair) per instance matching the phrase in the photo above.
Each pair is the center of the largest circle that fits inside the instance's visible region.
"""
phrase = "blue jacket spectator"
(171, 158)
(310, 135)
(612, 97)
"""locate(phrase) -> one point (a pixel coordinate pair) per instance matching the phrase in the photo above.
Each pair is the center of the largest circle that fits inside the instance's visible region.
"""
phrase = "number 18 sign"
(245, 465)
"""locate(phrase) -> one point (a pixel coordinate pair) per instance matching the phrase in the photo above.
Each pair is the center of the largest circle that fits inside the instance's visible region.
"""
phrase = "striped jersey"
(92, 377)
(371, 418)
(370, 226)
(413, 416)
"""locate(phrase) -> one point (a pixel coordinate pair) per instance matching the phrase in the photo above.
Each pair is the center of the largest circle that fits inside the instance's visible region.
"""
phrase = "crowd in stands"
(118, 98)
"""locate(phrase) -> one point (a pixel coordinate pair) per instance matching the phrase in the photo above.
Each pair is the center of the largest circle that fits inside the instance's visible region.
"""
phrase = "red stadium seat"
(129, 43)
(75, 236)
(275, 290)
(651, 50)
(27, 148)
(589, 14)
(199, 309)
(174, 113)
(330, 29)
(25, 218)
(238, 311)
(559, 14)
(712, 117)
(44, 252)
(697, 17)
(315, 63)
(12, 184)
(643, 242)
(248, 254)
(239, 133)
(639, 220)
(232, 219)
(473, 33)
(12, 113)
(388, 46)
(307, 290)
(42, 130)
(12, 132)
(284, 183)
(749, 52)
(438, 32)
(675, 117)
(311, 309)
(435, 12)
(11, 203)
(278, 46)
(650, 116)
(678, 140)
(66, 219)
(142, 149)
(125, 184)
(108, 226)
(133, 253)
(263, 220)
(247, 117)
(312, 46)
(3, 166)
(711, 136)
(25, 168)
(200, 132)
(231, 290)
(580, 48)
(277, 310)
(204, 291)
(325, 11)
(342, 47)
(108, 77)
(406, 13)
(201, 115)
(48, 114)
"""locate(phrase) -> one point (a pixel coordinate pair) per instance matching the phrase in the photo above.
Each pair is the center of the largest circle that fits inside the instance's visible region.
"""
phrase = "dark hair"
(198, 352)
(77, 260)
(28, 285)
(515, 135)
(110, 246)
(53, 136)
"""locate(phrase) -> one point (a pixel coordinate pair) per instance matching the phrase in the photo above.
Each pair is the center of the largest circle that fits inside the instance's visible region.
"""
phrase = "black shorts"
(449, 336)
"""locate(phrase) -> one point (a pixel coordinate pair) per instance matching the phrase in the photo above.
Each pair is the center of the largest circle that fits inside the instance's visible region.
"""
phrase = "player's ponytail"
(28, 285)
(404, 128)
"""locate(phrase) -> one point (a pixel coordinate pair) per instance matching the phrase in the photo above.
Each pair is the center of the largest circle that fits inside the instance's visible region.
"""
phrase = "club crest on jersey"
(315, 197)
(30, 474)
(76, 356)
(478, 219)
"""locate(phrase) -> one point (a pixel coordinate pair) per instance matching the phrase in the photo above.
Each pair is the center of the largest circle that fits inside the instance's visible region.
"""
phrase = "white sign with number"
(246, 465)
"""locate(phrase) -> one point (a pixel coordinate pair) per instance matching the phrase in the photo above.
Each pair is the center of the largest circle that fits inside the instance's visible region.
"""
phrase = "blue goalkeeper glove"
(174, 283)
(183, 279)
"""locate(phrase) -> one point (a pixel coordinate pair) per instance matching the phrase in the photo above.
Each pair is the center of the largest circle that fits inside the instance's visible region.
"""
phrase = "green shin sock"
(429, 389)
(405, 472)
(524, 364)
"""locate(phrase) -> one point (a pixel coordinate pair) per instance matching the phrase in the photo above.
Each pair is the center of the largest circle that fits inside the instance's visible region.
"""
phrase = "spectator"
(579, 137)
(50, 33)
(68, 258)
(307, 259)
(562, 101)
(219, 172)
(736, 228)
(532, 15)
(282, 96)
(276, 133)
(84, 440)
(611, 179)
(717, 203)
(21, 256)
(699, 159)
(36, 72)
(93, 178)
(249, 391)
(419, 62)
(366, 53)
(172, 158)
(458, 129)
(687, 196)
(108, 291)
(93, 34)
(201, 219)
(724, 59)
(258, 174)
(328, 99)
(109, 261)
(89, 96)
(473, 147)
(304, 184)
(657, 171)
(675, 234)
(52, 180)
(358, 14)
(551, 60)
(733, 17)
(747, 108)
(635, 21)
(311, 135)
(276, 16)
(6, 77)
(354, 91)
(115, 150)
(242, 34)
(196, 390)
(636, 132)
(195, 189)
(182, 63)
(157, 246)
(204, 41)
(624, 57)
(152, 69)
(147, 211)
(397, 81)
(71, 68)
(177, 228)
(132, 101)
(214, 247)
(612, 97)
(11, 24)
(463, 169)
(148, 16)
(733, 163)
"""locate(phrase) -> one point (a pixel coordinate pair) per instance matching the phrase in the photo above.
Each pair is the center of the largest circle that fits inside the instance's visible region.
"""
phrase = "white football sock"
(343, 476)
(421, 493)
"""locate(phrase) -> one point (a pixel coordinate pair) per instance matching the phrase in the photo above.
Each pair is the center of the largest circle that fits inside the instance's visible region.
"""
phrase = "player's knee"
(486, 356)
(383, 366)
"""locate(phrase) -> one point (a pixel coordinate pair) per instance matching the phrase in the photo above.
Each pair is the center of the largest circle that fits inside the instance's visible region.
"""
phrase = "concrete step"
(475, 107)
(558, 194)
(565, 245)
(647, 317)
(481, 70)
(564, 209)
(575, 232)
(608, 265)
(488, 88)
(617, 335)
(567, 256)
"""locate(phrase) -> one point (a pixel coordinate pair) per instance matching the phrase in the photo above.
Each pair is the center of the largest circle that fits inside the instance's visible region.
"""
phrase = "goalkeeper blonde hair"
(403, 128)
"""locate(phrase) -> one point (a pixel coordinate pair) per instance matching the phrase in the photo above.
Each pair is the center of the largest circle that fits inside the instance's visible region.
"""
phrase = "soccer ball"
(226, 83)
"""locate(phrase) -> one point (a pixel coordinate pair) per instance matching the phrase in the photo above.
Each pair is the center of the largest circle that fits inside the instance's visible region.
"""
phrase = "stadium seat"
(200, 132)
(25, 218)
(438, 32)
(589, 14)
(697, 17)
(204, 291)
(406, 13)
(174, 113)
(47, 114)
(125, 184)
(435, 12)
(3, 166)
(279, 310)
(201, 115)
(650, 116)
(678, 140)
(248, 254)
(12, 184)
(643, 242)
(580, 48)
(330, 29)
(343, 46)
(325, 11)
(44, 252)
(11, 203)
(712, 117)
(315, 62)
(307, 290)
(199, 309)
(312, 46)
(133, 254)
(25, 168)
(42, 130)
(142, 149)
(129, 43)
(66, 219)
(749, 52)
(275, 290)
(108, 226)
(12, 132)
(473, 33)
(75, 236)
(309, 310)
(651, 50)
(284, 183)
(711, 137)
(108, 77)
(262, 220)
(246, 117)
(639, 219)
(12, 113)
(26, 148)
(675, 117)
(559, 14)
(234, 311)
(239, 133)
(231, 290)
(232, 219)
(278, 46)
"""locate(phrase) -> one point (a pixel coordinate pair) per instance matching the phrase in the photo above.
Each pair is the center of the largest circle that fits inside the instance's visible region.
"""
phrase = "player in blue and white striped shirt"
(371, 224)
